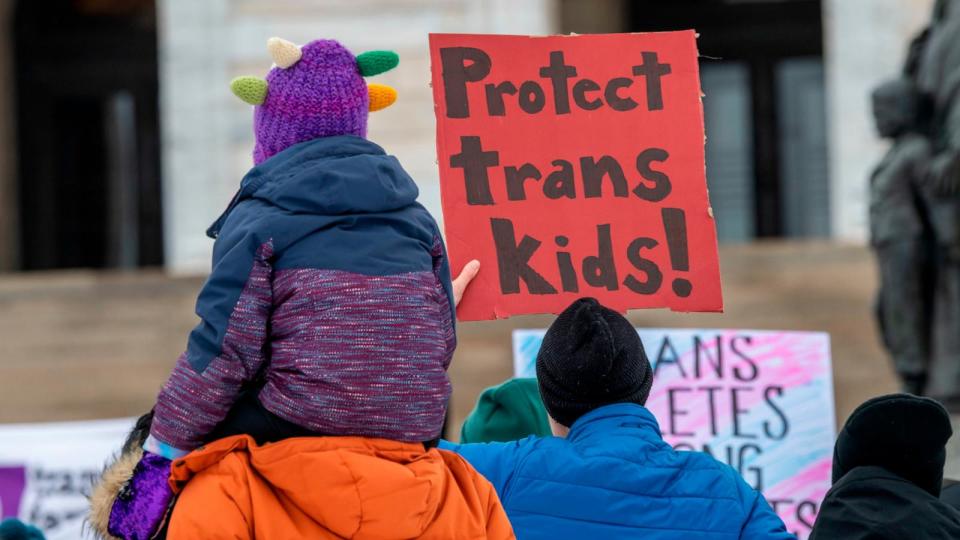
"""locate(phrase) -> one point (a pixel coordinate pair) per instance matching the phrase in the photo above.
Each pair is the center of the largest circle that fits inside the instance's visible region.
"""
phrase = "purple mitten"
(142, 505)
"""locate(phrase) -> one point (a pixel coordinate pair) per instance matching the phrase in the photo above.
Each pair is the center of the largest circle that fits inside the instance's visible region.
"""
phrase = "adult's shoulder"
(513, 449)
(497, 461)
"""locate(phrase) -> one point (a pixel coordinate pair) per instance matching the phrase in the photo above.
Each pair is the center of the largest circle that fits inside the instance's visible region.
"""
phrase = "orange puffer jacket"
(331, 487)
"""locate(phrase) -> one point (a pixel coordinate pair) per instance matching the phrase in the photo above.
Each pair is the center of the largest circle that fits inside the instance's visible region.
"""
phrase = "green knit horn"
(376, 62)
(252, 90)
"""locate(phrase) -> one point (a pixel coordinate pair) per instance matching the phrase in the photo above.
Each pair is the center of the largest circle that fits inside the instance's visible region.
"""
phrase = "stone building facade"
(205, 135)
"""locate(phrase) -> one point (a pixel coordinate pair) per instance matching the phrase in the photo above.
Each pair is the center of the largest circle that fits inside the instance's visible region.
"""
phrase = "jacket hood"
(902, 433)
(401, 485)
(328, 176)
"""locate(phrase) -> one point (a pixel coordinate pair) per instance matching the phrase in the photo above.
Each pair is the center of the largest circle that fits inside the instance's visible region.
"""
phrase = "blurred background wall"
(207, 132)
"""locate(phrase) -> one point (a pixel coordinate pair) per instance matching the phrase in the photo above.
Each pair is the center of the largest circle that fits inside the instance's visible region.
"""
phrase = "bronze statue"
(938, 76)
(897, 231)
(918, 244)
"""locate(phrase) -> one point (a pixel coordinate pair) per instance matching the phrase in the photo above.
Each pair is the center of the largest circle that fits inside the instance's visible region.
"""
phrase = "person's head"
(896, 107)
(902, 433)
(14, 529)
(590, 357)
(506, 412)
(313, 91)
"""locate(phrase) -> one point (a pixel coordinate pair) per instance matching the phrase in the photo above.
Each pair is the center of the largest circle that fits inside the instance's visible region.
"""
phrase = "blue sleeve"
(762, 522)
(495, 461)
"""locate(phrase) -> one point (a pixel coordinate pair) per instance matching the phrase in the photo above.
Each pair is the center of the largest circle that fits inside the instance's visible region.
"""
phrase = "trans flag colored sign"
(760, 401)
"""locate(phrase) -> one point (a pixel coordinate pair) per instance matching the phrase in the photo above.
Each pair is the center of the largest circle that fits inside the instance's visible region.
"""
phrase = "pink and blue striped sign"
(761, 401)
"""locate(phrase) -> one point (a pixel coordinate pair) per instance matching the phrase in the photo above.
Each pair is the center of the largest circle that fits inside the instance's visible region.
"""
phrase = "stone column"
(865, 43)
(194, 40)
(9, 215)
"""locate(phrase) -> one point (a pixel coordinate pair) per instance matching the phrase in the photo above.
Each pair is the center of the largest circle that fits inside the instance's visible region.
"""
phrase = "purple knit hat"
(314, 91)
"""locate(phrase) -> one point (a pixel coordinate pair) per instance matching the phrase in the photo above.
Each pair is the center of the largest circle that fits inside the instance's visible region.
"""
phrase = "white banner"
(46, 471)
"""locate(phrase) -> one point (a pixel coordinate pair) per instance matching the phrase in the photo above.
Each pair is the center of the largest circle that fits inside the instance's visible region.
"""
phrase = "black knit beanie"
(904, 434)
(590, 357)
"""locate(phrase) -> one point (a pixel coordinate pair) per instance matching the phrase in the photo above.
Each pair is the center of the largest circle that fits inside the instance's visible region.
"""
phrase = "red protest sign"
(574, 166)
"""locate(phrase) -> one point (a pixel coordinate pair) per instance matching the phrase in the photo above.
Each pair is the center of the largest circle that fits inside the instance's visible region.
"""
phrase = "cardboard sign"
(760, 401)
(47, 470)
(574, 166)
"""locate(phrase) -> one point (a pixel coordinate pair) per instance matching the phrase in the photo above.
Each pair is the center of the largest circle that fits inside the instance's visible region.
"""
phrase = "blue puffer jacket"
(613, 476)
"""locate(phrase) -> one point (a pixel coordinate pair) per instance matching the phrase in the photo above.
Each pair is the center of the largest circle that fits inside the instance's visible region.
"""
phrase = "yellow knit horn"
(381, 96)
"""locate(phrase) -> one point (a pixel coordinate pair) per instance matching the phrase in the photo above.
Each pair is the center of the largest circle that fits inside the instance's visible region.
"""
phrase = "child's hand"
(466, 276)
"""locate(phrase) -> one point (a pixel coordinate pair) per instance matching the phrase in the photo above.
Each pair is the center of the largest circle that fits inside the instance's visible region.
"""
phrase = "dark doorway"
(88, 131)
(762, 73)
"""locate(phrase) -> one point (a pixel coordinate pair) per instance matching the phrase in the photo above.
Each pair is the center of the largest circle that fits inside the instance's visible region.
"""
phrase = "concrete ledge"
(83, 344)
